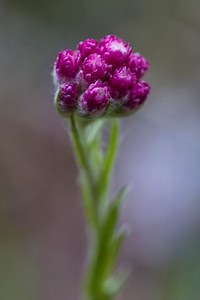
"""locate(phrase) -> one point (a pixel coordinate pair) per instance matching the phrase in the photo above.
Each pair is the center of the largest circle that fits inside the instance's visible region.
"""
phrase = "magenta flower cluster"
(100, 79)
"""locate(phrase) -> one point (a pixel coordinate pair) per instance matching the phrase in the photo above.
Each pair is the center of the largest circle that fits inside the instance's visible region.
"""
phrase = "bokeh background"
(42, 229)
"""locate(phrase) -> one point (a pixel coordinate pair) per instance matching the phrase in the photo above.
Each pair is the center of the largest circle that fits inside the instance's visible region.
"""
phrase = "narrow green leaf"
(112, 215)
(93, 130)
(109, 158)
(88, 201)
(109, 242)
(117, 241)
(115, 283)
(113, 248)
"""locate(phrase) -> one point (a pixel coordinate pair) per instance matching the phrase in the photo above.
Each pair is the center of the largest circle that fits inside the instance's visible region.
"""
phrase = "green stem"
(109, 159)
(95, 171)
(88, 185)
(80, 151)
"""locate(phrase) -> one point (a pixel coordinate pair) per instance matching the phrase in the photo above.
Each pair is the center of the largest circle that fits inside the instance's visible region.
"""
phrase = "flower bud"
(95, 99)
(137, 95)
(114, 50)
(67, 64)
(87, 47)
(138, 64)
(66, 99)
(94, 67)
(121, 82)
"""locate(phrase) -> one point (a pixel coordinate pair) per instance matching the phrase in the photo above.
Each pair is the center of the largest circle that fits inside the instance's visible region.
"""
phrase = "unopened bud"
(138, 64)
(95, 99)
(67, 65)
(66, 98)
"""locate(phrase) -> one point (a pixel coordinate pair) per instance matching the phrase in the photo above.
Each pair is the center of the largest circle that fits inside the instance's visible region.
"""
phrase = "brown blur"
(42, 229)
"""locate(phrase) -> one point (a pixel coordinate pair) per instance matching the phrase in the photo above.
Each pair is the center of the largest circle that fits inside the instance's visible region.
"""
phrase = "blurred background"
(42, 230)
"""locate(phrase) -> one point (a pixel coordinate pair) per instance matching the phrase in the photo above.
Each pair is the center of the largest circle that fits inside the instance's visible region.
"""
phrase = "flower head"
(66, 97)
(138, 64)
(67, 64)
(87, 47)
(137, 95)
(114, 50)
(94, 67)
(121, 82)
(94, 99)
(100, 79)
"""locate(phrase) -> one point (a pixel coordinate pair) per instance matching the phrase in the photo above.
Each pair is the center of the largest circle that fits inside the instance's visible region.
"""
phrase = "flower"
(94, 67)
(95, 98)
(121, 82)
(100, 79)
(114, 50)
(87, 47)
(67, 64)
(137, 95)
(66, 97)
(138, 64)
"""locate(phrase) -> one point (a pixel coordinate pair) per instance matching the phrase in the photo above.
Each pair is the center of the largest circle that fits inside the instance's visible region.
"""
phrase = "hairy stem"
(95, 170)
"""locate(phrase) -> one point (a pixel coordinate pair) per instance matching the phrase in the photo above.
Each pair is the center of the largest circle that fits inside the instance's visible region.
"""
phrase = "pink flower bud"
(95, 99)
(66, 100)
(137, 95)
(114, 50)
(138, 64)
(94, 67)
(67, 64)
(121, 82)
(87, 47)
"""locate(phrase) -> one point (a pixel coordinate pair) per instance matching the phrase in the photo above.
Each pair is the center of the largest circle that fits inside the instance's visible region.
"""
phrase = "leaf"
(114, 283)
(93, 130)
(109, 157)
(110, 242)
(113, 249)
(118, 239)
(112, 216)
(88, 201)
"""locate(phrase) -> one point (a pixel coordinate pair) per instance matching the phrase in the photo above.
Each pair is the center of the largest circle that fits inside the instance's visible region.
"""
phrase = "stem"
(87, 183)
(95, 171)
(80, 152)
(109, 159)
